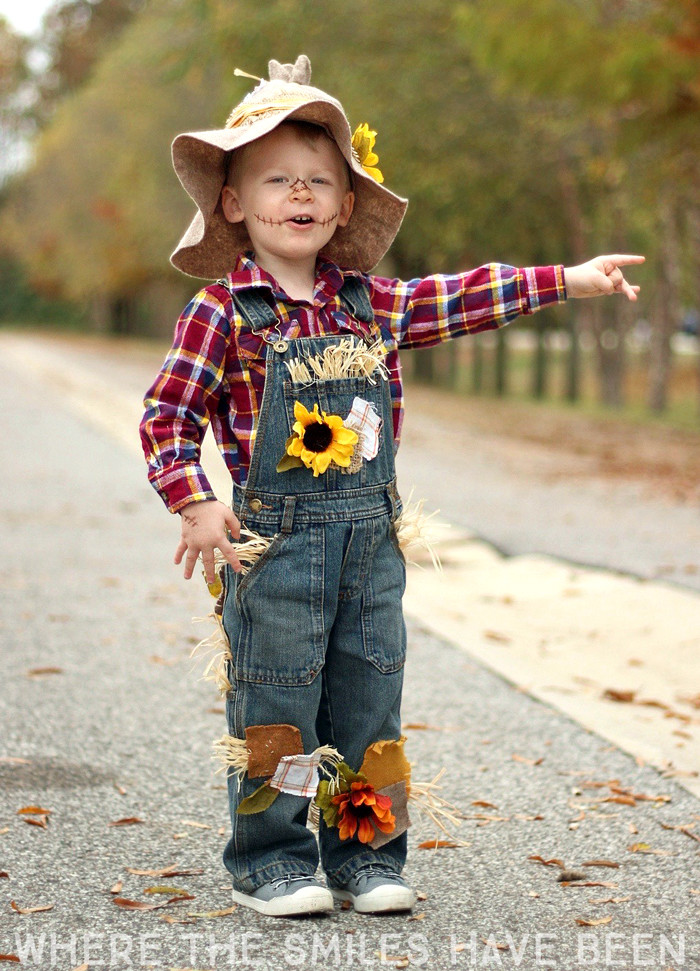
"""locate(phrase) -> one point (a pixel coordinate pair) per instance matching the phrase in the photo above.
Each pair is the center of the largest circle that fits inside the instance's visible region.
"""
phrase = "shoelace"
(290, 878)
(375, 870)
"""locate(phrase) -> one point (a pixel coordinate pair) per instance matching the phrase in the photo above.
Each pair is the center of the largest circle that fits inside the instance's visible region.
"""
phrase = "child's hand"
(600, 276)
(204, 530)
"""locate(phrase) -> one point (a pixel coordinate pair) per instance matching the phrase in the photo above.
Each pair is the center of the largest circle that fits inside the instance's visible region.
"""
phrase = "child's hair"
(308, 132)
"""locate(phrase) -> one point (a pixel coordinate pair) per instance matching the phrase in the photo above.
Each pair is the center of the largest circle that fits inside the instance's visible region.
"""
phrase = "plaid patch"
(297, 774)
(364, 420)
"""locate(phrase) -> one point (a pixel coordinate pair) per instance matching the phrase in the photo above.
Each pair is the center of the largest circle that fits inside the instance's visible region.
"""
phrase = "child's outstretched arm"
(599, 276)
(204, 528)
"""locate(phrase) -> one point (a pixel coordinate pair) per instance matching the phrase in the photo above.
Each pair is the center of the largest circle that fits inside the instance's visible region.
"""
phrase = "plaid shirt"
(215, 370)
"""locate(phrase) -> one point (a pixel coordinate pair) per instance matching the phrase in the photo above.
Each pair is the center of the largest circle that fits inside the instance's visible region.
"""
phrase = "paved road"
(124, 729)
(513, 494)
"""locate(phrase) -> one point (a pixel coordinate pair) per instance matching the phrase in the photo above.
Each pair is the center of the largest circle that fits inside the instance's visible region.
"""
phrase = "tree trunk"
(477, 364)
(540, 360)
(501, 376)
(666, 315)
(573, 359)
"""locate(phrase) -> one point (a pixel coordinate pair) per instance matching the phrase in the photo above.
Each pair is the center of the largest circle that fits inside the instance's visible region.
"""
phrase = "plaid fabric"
(297, 774)
(215, 371)
(364, 420)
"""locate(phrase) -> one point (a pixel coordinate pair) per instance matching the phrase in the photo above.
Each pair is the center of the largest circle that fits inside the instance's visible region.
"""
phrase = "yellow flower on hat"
(320, 439)
(363, 141)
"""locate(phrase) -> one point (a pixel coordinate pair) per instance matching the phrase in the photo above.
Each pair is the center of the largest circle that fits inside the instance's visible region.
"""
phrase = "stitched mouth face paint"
(303, 221)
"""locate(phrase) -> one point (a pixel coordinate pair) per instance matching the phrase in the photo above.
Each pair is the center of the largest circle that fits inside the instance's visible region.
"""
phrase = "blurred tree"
(628, 69)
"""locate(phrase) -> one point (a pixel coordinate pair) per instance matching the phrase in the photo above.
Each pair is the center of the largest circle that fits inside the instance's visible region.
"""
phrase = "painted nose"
(300, 190)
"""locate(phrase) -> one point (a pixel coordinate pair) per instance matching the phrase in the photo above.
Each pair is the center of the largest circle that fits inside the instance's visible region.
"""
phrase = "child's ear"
(346, 209)
(230, 205)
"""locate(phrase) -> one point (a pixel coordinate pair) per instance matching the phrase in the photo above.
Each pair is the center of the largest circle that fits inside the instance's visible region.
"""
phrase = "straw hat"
(211, 244)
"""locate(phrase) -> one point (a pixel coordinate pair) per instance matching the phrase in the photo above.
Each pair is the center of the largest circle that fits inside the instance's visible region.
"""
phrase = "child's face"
(291, 192)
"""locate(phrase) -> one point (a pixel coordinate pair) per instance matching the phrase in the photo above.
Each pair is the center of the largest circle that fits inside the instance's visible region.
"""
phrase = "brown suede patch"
(267, 744)
(399, 807)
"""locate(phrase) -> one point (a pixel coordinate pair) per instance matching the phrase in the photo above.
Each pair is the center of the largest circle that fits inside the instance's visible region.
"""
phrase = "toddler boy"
(292, 357)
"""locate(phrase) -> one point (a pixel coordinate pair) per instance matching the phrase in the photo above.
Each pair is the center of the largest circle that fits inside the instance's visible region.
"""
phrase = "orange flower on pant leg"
(360, 810)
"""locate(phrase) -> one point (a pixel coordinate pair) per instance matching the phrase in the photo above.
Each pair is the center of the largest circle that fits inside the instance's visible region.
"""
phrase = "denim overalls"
(316, 626)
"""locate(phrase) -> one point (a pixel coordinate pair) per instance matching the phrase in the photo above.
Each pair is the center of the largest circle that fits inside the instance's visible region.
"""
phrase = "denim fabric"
(316, 626)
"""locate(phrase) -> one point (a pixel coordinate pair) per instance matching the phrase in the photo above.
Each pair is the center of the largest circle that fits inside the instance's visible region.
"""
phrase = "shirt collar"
(247, 274)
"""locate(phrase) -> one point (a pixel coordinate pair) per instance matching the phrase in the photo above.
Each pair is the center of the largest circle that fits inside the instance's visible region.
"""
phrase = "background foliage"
(525, 132)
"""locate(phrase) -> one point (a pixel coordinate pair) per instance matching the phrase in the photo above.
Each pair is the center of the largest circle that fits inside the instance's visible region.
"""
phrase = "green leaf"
(347, 775)
(258, 801)
(288, 462)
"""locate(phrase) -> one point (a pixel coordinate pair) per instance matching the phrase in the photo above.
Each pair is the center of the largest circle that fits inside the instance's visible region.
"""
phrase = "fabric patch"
(267, 744)
(297, 774)
(399, 807)
(364, 420)
(385, 763)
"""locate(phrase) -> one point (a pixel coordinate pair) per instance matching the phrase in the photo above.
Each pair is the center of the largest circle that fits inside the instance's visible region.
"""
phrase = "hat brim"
(211, 244)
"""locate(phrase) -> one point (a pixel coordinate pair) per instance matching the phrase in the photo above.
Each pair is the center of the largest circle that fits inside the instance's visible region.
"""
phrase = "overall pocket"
(277, 612)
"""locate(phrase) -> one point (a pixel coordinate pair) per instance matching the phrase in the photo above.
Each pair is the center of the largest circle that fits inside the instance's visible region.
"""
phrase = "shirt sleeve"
(180, 402)
(425, 311)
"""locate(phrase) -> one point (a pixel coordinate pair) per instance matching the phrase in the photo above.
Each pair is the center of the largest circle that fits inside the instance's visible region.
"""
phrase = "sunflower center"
(318, 436)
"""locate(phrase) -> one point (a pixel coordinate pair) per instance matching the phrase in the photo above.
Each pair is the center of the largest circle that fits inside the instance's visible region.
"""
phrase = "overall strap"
(252, 306)
(354, 296)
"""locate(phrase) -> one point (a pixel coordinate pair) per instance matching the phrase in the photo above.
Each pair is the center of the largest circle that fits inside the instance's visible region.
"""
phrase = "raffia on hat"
(211, 244)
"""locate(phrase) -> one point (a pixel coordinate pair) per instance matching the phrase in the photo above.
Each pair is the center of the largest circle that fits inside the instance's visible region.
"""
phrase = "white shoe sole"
(306, 900)
(380, 900)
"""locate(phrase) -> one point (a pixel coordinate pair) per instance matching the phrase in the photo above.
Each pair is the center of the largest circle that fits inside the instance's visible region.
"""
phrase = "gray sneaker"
(376, 889)
(290, 896)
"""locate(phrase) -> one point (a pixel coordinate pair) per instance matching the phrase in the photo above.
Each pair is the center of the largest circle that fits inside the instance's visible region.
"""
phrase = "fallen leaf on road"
(14, 760)
(420, 895)
(4, 875)
(438, 845)
(482, 802)
(608, 900)
(82, 967)
(213, 913)
(521, 758)
(34, 811)
(127, 821)
(167, 871)
(171, 891)
(191, 822)
(595, 922)
(553, 861)
(120, 789)
(138, 904)
(608, 884)
(417, 917)
(494, 944)
(494, 635)
(685, 829)
(30, 910)
(41, 821)
(157, 659)
(117, 888)
(10, 957)
(609, 863)
(39, 672)
(613, 694)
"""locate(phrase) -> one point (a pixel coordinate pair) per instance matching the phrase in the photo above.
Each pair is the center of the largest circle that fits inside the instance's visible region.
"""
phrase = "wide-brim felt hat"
(211, 243)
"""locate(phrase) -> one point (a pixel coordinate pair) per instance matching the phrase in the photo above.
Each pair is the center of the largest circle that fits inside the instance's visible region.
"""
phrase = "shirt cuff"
(180, 485)
(544, 285)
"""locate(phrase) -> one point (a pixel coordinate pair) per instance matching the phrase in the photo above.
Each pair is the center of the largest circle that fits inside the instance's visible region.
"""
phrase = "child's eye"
(277, 178)
(320, 181)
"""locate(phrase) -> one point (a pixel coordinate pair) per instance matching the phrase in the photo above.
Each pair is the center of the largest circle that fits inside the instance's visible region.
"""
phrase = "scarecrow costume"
(305, 401)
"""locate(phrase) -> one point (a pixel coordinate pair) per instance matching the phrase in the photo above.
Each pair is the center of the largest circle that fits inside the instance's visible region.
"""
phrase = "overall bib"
(316, 626)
